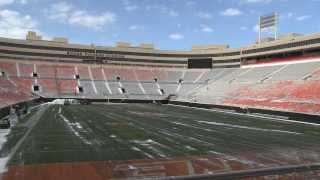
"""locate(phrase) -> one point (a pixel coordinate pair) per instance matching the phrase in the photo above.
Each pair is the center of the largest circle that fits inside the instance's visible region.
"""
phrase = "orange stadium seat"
(65, 72)
(83, 71)
(67, 86)
(46, 71)
(126, 73)
(9, 68)
(26, 70)
(97, 73)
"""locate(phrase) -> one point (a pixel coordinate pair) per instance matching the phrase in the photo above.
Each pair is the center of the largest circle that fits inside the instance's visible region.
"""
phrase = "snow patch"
(73, 127)
(149, 143)
(139, 150)
(248, 128)
(57, 102)
(190, 148)
(3, 164)
(3, 140)
(136, 149)
(113, 136)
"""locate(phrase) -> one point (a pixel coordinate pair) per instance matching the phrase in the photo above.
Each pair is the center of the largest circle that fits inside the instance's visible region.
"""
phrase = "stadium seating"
(48, 87)
(147, 75)
(102, 88)
(126, 74)
(97, 73)
(11, 94)
(25, 70)
(46, 71)
(68, 87)
(295, 71)
(65, 72)
(110, 73)
(83, 71)
(290, 87)
(9, 68)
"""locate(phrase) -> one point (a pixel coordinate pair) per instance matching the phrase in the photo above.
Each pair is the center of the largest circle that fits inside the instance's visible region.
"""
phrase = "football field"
(77, 133)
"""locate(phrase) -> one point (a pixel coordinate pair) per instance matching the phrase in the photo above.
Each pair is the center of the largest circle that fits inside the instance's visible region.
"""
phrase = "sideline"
(248, 115)
(36, 117)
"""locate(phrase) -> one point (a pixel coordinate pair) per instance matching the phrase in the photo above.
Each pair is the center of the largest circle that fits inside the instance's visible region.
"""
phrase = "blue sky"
(169, 24)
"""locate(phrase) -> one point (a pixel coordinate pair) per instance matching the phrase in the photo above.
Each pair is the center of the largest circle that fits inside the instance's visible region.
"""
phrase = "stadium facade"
(278, 78)
(283, 73)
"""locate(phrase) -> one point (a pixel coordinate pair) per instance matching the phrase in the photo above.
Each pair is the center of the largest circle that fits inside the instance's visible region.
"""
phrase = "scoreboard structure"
(200, 63)
(268, 23)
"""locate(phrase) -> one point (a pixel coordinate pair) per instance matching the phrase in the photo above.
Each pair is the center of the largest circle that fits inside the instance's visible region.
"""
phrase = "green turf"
(139, 131)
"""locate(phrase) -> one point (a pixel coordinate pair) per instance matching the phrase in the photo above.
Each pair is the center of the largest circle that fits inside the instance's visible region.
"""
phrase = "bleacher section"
(291, 87)
(295, 71)
(10, 93)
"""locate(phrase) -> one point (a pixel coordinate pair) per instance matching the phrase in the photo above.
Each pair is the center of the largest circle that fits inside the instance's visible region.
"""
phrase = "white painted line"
(249, 115)
(106, 81)
(200, 76)
(18, 69)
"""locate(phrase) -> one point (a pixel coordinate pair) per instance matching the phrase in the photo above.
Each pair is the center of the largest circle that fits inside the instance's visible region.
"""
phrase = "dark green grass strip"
(138, 131)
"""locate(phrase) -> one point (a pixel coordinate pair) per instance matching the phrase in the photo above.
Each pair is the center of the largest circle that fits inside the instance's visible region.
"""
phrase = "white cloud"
(191, 3)
(288, 15)
(15, 25)
(83, 18)
(304, 17)
(231, 12)
(162, 9)
(65, 12)
(204, 15)
(257, 1)
(176, 36)
(206, 28)
(23, 2)
(136, 28)
(60, 11)
(256, 28)
(173, 13)
(6, 2)
(244, 28)
(131, 7)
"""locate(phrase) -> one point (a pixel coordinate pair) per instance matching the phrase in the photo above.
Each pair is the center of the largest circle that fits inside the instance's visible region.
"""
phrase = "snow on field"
(248, 128)
(73, 126)
(149, 143)
(57, 101)
(3, 140)
(113, 136)
(145, 153)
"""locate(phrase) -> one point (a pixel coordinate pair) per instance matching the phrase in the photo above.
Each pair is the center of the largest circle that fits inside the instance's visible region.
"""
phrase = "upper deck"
(145, 54)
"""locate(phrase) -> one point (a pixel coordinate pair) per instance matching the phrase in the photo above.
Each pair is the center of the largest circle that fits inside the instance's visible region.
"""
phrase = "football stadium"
(75, 111)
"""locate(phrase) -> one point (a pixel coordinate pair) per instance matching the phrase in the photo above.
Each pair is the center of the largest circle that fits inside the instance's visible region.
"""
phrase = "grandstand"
(275, 84)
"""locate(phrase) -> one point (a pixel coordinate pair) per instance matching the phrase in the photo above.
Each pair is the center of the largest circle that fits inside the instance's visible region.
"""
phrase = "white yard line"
(36, 119)
(72, 125)
(247, 127)
(249, 115)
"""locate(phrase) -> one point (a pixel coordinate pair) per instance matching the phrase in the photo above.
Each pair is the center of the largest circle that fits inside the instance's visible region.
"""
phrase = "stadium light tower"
(268, 22)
